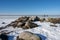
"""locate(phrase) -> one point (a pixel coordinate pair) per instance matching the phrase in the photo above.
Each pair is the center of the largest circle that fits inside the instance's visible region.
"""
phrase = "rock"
(23, 22)
(34, 18)
(31, 18)
(37, 18)
(14, 24)
(22, 19)
(30, 25)
(28, 36)
(42, 19)
(4, 37)
(20, 24)
(25, 25)
(3, 22)
(53, 25)
(46, 19)
(54, 20)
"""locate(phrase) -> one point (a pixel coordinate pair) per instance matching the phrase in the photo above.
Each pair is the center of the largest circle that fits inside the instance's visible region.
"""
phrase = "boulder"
(34, 18)
(53, 25)
(42, 19)
(20, 24)
(54, 20)
(14, 24)
(24, 25)
(3, 22)
(29, 25)
(3, 37)
(28, 36)
(22, 19)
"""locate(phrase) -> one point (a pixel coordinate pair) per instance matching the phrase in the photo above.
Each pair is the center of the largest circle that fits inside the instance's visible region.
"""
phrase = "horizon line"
(30, 15)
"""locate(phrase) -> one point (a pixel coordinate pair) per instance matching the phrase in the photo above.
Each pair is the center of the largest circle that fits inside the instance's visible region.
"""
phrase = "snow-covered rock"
(45, 31)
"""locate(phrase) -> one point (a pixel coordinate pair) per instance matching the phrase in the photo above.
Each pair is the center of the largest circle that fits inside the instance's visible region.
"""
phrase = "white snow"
(44, 30)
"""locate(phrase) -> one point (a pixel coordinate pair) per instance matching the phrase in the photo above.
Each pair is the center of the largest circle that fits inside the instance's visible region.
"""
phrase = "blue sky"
(29, 7)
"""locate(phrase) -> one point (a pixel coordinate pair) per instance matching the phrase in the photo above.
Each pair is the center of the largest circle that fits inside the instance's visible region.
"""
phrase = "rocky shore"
(26, 22)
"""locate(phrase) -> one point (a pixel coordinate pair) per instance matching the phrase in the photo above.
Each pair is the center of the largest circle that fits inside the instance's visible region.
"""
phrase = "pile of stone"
(54, 20)
(25, 22)
(28, 36)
